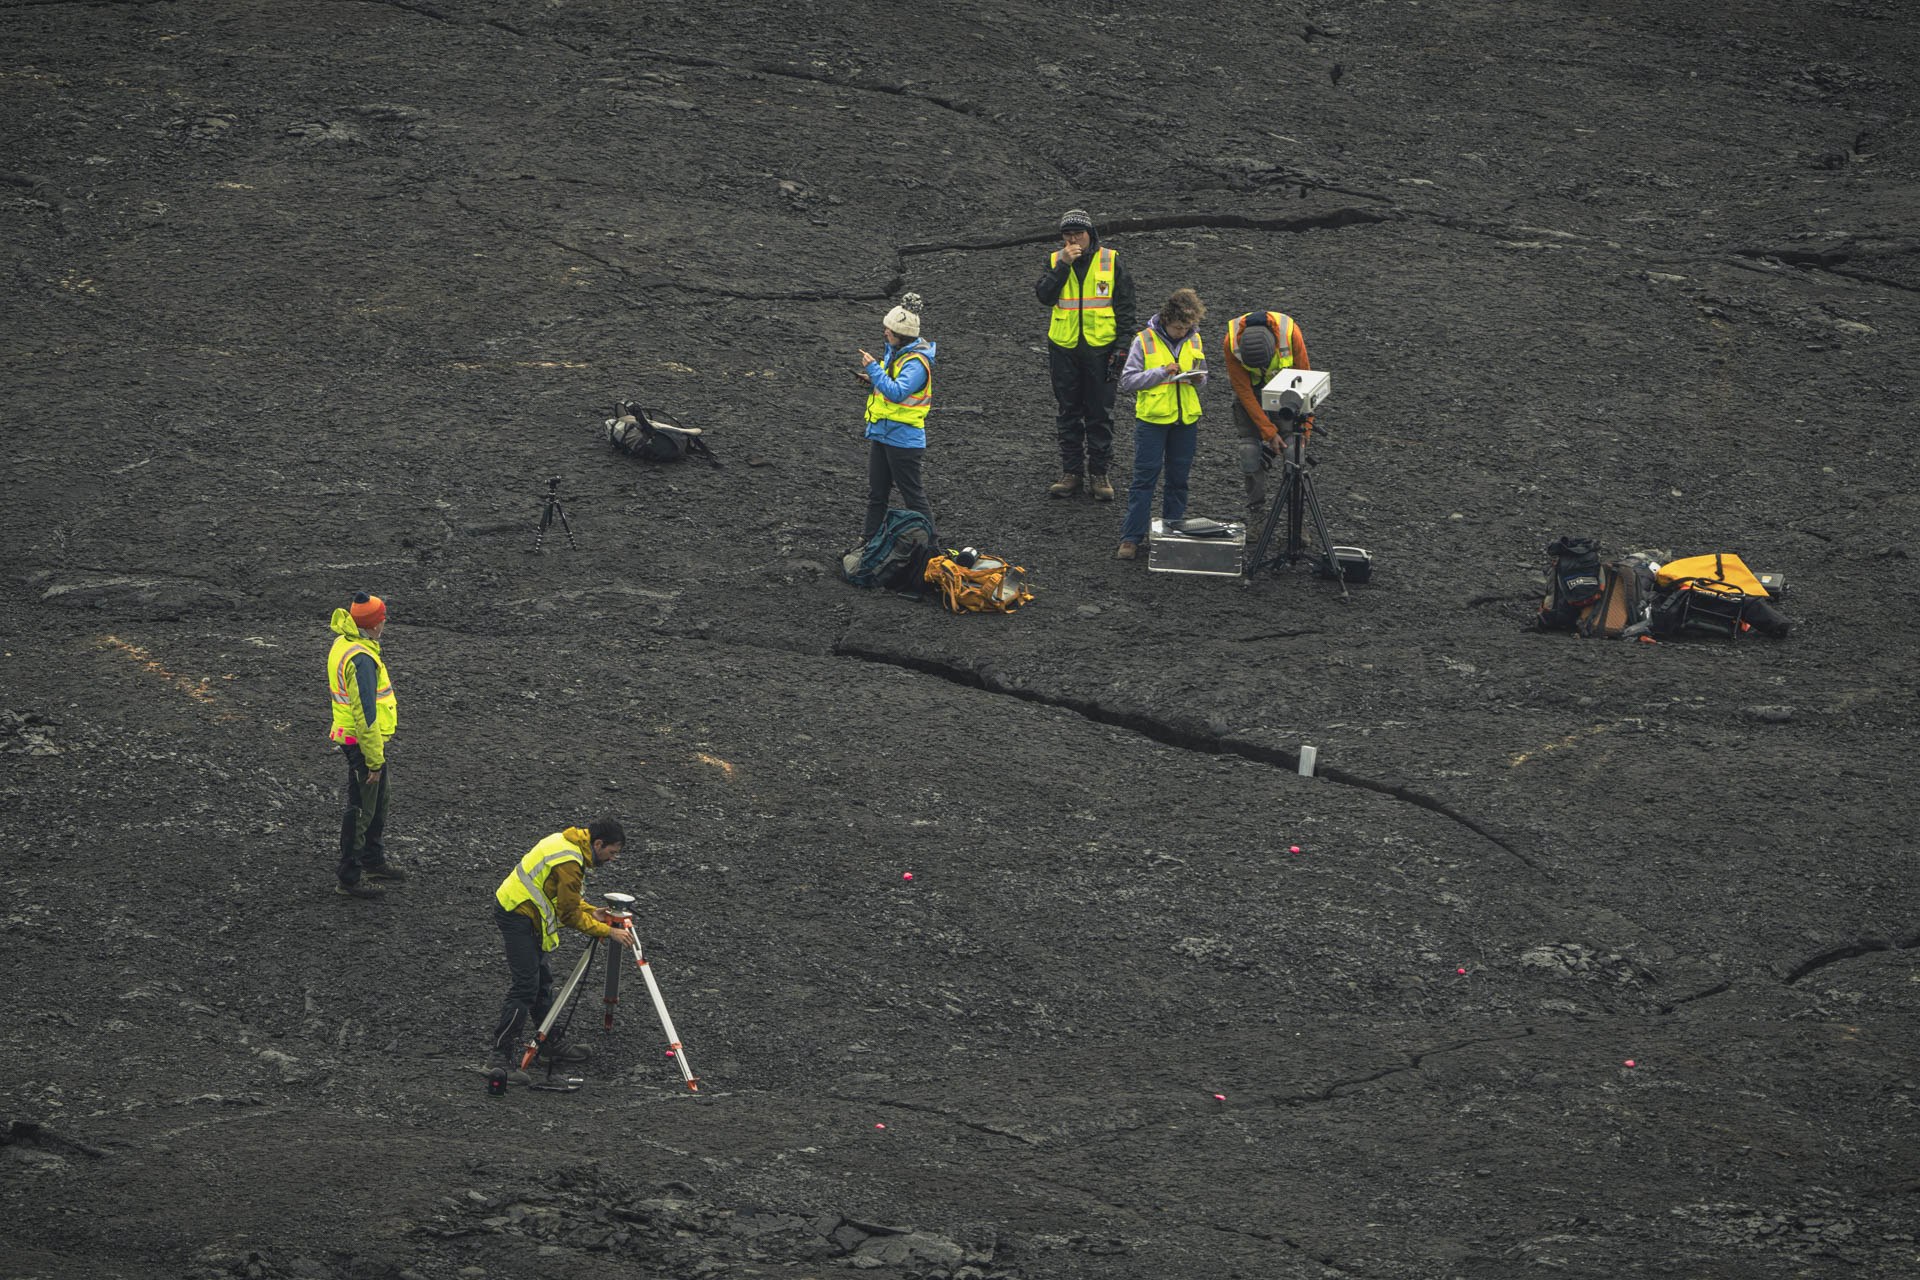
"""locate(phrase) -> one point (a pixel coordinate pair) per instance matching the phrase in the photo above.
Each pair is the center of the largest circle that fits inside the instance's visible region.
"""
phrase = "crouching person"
(537, 897)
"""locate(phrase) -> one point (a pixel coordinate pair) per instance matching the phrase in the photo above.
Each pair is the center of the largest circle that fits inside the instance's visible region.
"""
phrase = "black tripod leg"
(1326, 539)
(568, 526)
(1297, 516)
(540, 534)
(1260, 559)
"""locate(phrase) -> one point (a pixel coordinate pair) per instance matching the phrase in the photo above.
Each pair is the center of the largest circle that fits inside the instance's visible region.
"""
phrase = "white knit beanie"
(903, 322)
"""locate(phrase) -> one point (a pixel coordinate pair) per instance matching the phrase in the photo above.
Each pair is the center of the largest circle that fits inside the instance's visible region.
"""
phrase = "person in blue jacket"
(899, 394)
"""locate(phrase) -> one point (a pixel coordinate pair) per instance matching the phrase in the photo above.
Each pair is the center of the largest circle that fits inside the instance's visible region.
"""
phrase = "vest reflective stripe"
(523, 884)
(912, 410)
(346, 690)
(1168, 402)
(1088, 319)
(1282, 345)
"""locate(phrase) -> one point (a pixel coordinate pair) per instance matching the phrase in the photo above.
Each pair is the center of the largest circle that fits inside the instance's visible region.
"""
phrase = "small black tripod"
(548, 512)
(1293, 503)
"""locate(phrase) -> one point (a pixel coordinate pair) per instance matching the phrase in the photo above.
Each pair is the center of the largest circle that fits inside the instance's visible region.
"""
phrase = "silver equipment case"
(1220, 557)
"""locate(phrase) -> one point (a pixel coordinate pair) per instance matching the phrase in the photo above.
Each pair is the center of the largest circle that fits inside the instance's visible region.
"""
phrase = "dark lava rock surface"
(304, 299)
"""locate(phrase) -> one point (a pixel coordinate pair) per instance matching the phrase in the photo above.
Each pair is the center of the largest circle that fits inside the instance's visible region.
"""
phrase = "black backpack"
(895, 557)
(1699, 606)
(1574, 582)
(654, 437)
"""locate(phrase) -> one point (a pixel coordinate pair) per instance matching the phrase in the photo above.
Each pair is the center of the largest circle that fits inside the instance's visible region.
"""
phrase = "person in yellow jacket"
(538, 896)
(1088, 294)
(1165, 369)
(365, 716)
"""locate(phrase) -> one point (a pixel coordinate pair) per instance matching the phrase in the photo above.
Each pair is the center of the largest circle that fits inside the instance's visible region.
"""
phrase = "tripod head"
(620, 911)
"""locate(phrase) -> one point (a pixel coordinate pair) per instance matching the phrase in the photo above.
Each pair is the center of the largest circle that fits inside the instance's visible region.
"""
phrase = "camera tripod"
(549, 512)
(619, 915)
(1294, 502)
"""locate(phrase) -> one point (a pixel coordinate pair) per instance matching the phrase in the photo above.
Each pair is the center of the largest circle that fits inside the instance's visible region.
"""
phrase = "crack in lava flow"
(1175, 736)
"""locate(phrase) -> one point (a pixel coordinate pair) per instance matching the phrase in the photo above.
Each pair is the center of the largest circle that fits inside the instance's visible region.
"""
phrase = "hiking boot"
(385, 871)
(1128, 550)
(564, 1053)
(1100, 487)
(359, 889)
(1066, 486)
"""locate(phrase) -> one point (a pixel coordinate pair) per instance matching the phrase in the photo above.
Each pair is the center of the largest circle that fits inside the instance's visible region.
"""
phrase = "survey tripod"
(551, 509)
(1292, 504)
(619, 912)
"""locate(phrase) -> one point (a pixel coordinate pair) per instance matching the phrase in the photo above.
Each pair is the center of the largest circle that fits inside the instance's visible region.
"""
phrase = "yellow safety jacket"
(349, 717)
(1168, 401)
(529, 882)
(1088, 318)
(1282, 345)
(913, 410)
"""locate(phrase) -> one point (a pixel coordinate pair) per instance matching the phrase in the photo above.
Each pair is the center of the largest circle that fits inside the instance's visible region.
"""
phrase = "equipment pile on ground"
(1633, 598)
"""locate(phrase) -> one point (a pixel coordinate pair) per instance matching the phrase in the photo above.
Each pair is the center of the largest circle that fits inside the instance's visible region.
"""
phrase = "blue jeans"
(1156, 445)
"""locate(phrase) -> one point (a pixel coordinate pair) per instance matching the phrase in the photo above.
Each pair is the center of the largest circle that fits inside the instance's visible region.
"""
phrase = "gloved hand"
(1116, 361)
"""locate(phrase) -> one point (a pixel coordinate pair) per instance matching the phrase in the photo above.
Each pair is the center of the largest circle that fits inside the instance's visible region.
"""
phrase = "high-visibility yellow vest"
(913, 410)
(1282, 345)
(346, 689)
(1087, 318)
(1168, 401)
(527, 883)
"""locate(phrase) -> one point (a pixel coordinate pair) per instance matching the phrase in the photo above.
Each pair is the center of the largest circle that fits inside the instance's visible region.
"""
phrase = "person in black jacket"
(1091, 295)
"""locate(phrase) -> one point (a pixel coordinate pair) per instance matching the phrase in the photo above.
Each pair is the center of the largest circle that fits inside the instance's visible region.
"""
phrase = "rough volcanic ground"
(308, 298)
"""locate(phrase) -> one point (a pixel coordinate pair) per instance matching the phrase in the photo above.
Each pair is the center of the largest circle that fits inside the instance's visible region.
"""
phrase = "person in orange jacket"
(1259, 345)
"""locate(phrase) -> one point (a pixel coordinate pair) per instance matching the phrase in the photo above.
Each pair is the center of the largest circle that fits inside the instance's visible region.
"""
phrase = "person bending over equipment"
(1259, 345)
(537, 897)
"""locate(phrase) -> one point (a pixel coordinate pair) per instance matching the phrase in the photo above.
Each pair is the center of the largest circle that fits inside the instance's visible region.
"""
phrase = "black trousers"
(363, 827)
(888, 468)
(1084, 395)
(530, 990)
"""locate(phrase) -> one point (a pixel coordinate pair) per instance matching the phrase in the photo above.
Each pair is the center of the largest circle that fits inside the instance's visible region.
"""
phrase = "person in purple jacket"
(1165, 370)
(900, 392)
